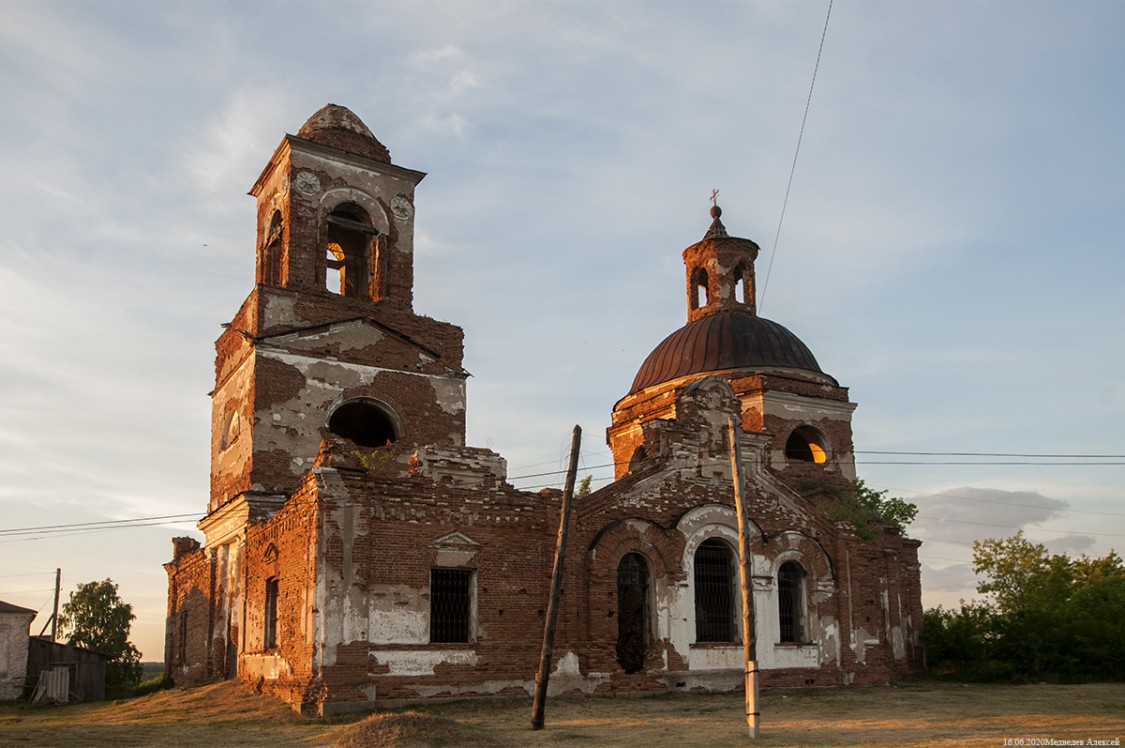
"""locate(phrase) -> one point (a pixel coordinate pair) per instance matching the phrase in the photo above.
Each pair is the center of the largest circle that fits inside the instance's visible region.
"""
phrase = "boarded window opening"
(269, 637)
(349, 252)
(364, 423)
(790, 601)
(451, 605)
(632, 612)
(714, 592)
(806, 445)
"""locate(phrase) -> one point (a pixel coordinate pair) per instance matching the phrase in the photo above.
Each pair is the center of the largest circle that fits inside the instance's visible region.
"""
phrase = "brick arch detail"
(632, 535)
(793, 545)
(335, 197)
(660, 549)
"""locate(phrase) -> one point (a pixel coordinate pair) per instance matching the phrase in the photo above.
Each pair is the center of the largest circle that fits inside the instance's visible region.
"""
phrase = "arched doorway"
(632, 612)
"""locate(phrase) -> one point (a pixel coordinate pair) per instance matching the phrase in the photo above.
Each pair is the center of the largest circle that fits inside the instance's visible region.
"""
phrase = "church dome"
(724, 340)
(337, 126)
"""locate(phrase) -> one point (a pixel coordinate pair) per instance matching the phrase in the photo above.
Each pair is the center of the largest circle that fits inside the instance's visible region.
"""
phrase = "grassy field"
(910, 714)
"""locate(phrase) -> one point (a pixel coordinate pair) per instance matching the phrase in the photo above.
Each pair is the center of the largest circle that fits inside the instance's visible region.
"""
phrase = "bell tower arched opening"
(350, 252)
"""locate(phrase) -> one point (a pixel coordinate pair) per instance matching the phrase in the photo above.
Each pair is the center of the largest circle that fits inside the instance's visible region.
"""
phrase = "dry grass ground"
(912, 714)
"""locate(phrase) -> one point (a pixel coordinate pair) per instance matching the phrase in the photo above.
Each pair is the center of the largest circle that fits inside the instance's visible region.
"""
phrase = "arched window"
(632, 612)
(231, 429)
(350, 255)
(700, 294)
(806, 445)
(741, 280)
(791, 602)
(269, 635)
(715, 613)
(363, 422)
(271, 269)
(637, 459)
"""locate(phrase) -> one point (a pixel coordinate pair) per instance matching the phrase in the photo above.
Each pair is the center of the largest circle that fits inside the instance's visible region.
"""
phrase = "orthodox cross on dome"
(717, 230)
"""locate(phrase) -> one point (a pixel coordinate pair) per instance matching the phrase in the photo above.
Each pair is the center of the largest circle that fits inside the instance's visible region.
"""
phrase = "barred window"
(790, 601)
(451, 604)
(714, 593)
(269, 638)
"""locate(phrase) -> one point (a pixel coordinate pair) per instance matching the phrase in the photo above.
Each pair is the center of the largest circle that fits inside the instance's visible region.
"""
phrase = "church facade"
(357, 551)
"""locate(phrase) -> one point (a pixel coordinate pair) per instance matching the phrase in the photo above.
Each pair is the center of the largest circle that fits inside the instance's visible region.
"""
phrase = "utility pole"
(749, 643)
(544, 674)
(55, 614)
(53, 621)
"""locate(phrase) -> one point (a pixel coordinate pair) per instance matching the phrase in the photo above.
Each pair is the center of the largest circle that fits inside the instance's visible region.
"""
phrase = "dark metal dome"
(724, 340)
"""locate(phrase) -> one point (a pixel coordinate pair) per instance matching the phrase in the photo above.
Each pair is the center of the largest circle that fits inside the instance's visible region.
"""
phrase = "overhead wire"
(796, 152)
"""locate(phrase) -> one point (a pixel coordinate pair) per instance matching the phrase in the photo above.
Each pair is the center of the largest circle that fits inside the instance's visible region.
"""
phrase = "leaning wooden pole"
(55, 613)
(749, 643)
(544, 673)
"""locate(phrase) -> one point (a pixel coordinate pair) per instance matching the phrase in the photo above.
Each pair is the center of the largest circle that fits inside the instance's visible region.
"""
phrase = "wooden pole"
(749, 643)
(53, 621)
(55, 614)
(544, 674)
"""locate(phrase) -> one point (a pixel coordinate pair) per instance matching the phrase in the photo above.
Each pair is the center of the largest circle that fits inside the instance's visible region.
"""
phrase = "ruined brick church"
(357, 550)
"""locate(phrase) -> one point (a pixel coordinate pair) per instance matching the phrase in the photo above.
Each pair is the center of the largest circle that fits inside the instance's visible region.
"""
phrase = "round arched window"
(806, 445)
(363, 422)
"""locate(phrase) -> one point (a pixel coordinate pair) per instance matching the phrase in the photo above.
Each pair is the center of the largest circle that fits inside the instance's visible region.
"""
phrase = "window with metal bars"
(714, 593)
(451, 604)
(269, 638)
(790, 601)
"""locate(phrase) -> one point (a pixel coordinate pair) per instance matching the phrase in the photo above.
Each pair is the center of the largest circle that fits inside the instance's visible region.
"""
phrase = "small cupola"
(720, 272)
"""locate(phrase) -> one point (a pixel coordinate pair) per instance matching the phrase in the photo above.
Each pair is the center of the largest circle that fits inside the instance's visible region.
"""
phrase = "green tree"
(1046, 615)
(962, 642)
(869, 508)
(584, 488)
(96, 618)
(1021, 575)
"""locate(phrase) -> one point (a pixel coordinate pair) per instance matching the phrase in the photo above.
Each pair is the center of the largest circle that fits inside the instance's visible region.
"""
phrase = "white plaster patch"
(450, 394)
(568, 663)
(421, 661)
(281, 310)
(715, 657)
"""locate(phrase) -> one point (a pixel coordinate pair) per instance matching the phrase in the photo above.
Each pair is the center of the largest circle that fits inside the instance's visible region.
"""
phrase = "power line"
(793, 170)
(1011, 527)
(105, 524)
(1001, 503)
(980, 462)
(988, 454)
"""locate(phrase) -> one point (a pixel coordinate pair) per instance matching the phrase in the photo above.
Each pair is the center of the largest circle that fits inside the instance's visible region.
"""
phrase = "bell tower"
(720, 272)
(328, 341)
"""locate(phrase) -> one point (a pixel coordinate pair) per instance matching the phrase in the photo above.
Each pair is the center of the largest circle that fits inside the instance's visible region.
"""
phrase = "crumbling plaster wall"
(306, 389)
(284, 547)
(383, 530)
(13, 652)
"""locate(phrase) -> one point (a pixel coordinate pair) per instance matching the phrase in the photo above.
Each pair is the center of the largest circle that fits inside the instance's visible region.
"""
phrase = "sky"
(951, 249)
